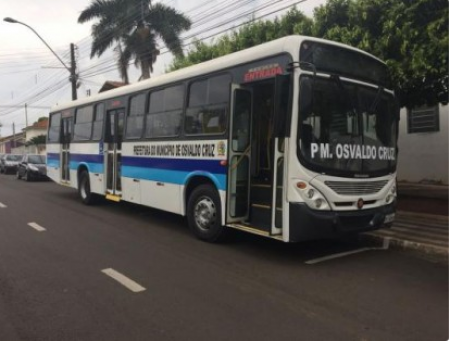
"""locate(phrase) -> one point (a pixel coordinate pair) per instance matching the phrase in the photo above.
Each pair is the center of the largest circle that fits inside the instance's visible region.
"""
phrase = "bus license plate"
(389, 218)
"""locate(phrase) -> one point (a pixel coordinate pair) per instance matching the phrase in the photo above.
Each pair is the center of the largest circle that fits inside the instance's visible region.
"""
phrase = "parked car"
(32, 167)
(9, 163)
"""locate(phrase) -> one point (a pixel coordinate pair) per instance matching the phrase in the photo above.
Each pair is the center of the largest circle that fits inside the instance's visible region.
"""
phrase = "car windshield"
(346, 129)
(13, 157)
(36, 159)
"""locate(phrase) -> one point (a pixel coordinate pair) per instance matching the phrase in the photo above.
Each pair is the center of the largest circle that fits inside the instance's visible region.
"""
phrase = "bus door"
(113, 152)
(268, 163)
(238, 193)
(66, 137)
(281, 121)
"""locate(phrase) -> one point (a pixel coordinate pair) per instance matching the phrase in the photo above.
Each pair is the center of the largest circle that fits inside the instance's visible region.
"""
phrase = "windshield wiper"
(348, 100)
(375, 102)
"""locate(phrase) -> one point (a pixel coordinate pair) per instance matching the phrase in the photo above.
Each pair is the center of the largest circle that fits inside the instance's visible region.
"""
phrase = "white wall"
(32, 149)
(33, 132)
(424, 156)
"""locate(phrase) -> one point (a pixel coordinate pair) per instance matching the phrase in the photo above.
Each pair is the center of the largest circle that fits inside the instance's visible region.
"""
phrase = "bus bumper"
(308, 224)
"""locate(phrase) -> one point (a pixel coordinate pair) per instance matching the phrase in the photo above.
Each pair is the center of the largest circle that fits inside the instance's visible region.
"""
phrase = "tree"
(294, 22)
(37, 140)
(411, 36)
(134, 26)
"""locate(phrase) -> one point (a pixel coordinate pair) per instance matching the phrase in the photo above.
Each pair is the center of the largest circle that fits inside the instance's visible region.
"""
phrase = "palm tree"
(134, 26)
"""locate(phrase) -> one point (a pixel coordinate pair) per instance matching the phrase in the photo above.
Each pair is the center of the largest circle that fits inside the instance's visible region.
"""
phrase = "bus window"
(135, 119)
(208, 106)
(83, 123)
(98, 122)
(165, 110)
(55, 126)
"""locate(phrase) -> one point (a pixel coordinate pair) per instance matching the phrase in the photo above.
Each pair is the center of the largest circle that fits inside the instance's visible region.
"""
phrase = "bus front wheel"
(204, 214)
(84, 189)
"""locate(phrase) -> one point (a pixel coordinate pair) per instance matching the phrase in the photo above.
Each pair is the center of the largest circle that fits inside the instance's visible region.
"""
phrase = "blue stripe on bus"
(53, 156)
(53, 162)
(87, 158)
(53, 159)
(178, 177)
(93, 167)
(185, 165)
(176, 171)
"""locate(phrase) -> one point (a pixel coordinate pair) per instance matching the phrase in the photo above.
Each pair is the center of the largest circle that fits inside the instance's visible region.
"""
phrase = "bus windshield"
(346, 129)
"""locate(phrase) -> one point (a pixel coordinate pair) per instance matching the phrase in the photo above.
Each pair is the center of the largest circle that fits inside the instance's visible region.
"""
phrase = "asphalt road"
(54, 284)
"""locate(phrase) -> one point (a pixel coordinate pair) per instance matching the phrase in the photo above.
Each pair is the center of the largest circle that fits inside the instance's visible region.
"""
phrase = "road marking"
(385, 246)
(3, 205)
(37, 227)
(122, 279)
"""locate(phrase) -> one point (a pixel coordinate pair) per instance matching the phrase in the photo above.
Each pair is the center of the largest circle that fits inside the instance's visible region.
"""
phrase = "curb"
(433, 252)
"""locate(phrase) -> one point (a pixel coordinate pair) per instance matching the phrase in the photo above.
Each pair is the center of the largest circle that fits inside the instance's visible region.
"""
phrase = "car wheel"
(205, 216)
(84, 189)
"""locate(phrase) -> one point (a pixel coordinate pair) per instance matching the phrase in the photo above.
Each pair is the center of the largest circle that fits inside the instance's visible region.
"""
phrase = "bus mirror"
(281, 117)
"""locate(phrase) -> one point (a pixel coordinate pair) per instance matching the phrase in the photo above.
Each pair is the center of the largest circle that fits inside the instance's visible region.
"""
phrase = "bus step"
(261, 216)
(261, 194)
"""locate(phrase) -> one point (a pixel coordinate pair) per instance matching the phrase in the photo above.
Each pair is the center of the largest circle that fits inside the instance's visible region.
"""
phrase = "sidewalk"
(421, 222)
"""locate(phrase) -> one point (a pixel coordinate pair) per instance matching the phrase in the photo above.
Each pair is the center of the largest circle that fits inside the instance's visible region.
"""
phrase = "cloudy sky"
(30, 74)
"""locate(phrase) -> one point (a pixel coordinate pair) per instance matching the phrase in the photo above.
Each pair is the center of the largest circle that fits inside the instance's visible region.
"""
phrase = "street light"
(73, 76)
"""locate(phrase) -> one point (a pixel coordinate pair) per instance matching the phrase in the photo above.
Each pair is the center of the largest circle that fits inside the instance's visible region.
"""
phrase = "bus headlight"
(392, 194)
(318, 203)
(312, 197)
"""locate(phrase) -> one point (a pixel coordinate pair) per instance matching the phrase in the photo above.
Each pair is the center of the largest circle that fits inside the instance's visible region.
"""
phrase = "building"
(12, 142)
(424, 145)
(19, 143)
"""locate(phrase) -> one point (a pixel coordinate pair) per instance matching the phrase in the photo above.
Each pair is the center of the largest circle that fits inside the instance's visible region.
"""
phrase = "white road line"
(125, 281)
(37, 227)
(385, 246)
(3, 205)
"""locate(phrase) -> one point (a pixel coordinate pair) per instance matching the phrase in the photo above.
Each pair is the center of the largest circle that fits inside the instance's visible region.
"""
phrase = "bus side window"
(165, 112)
(97, 128)
(208, 106)
(55, 127)
(83, 123)
(135, 117)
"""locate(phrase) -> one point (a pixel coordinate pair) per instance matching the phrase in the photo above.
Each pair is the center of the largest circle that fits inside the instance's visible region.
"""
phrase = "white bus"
(294, 139)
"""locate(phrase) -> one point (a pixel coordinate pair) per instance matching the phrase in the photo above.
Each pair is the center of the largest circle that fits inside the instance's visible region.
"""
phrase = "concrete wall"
(32, 149)
(30, 133)
(424, 156)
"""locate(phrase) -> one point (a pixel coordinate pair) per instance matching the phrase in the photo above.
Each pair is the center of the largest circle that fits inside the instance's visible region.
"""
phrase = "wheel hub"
(205, 213)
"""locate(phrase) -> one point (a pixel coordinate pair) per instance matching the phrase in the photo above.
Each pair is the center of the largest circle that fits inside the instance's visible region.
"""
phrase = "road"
(56, 284)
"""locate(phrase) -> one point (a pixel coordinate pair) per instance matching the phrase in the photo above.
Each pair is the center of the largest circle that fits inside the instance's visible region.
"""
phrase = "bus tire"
(204, 215)
(84, 189)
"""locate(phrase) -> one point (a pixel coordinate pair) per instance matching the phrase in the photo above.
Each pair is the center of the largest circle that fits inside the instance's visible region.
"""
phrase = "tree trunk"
(145, 69)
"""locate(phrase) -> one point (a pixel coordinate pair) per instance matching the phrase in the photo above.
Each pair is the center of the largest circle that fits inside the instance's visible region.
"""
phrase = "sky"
(30, 74)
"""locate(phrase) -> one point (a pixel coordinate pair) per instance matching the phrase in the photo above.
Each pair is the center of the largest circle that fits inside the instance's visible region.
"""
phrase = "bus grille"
(356, 188)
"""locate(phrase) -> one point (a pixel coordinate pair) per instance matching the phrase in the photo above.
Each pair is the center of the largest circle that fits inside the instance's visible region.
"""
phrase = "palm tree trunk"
(145, 69)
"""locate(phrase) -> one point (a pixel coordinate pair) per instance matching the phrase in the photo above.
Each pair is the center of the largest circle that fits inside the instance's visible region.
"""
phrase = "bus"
(294, 139)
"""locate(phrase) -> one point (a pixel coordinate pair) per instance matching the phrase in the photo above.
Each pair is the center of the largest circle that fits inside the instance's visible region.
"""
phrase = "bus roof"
(289, 44)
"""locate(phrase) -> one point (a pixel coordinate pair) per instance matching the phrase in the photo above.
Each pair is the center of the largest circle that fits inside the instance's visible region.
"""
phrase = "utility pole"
(26, 116)
(72, 70)
(14, 135)
(73, 75)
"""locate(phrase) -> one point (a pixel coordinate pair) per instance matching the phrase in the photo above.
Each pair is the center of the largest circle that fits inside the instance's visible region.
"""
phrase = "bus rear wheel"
(204, 215)
(84, 189)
